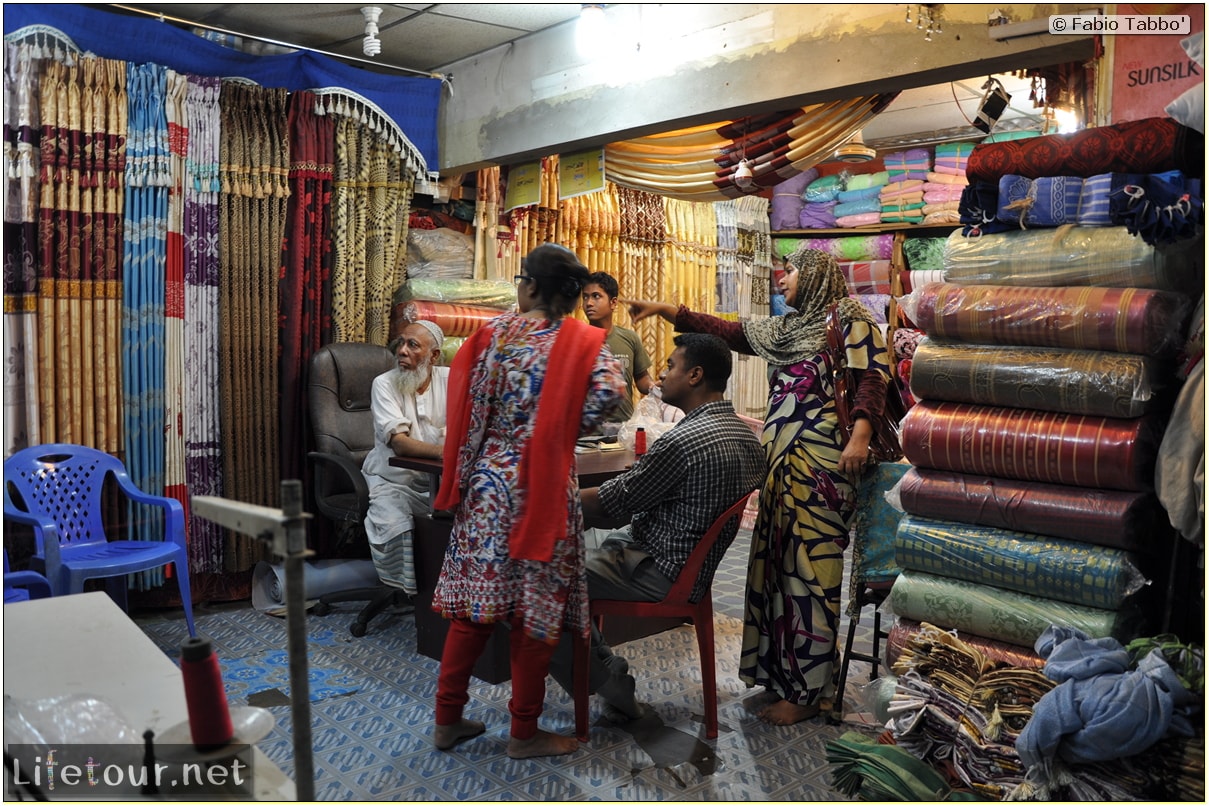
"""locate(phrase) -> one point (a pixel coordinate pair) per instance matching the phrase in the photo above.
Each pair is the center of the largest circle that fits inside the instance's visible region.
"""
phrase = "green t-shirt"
(628, 350)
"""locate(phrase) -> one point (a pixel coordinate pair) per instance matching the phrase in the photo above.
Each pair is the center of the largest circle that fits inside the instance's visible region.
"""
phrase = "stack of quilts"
(819, 202)
(902, 198)
(858, 204)
(945, 182)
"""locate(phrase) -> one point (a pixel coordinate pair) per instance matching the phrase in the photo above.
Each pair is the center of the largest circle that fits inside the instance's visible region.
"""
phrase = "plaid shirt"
(686, 480)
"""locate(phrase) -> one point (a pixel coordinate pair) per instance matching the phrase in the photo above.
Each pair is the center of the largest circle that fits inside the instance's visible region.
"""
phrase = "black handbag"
(885, 444)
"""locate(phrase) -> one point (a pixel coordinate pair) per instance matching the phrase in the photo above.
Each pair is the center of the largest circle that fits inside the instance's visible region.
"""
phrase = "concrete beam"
(538, 96)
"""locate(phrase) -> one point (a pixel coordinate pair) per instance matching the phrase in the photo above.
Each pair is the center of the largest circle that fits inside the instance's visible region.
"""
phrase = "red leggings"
(530, 661)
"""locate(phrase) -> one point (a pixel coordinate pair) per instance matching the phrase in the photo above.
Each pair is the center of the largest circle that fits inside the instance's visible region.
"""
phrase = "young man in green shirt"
(600, 299)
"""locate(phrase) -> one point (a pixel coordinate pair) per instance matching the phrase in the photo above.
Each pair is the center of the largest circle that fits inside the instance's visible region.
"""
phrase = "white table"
(84, 644)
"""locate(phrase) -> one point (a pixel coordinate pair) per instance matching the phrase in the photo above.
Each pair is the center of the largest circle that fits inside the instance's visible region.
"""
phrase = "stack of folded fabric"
(858, 203)
(942, 197)
(951, 158)
(902, 202)
(788, 197)
(819, 202)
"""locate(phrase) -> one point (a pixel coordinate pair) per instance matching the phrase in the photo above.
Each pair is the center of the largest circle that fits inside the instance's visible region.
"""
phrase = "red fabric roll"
(1098, 452)
(1112, 518)
(1122, 320)
(455, 320)
(1148, 146)
(905, 630)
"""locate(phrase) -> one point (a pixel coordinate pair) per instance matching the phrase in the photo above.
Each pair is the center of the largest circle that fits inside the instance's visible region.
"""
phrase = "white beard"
(408, 382)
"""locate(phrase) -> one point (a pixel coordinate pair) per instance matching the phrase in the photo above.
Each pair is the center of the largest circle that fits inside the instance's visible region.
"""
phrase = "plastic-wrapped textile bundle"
(907, 630)
(455, 320)
(1092, 382)
(1047, 201)
(499, 294)
(823, 189)
(912, 280)
(1004, 615)
(1096, 256)
(924, 254)
(1099, 452)
(1123, 519)
(1065, 570)
(851, 247)
(442, 253)
(788, 198)
(1122, 320)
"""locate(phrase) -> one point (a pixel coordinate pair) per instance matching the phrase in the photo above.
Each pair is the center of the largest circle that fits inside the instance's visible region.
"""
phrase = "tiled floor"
(372, 700)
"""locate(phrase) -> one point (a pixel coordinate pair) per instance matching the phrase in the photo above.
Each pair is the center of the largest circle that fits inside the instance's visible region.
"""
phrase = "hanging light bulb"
(744, 178)
(371, 46)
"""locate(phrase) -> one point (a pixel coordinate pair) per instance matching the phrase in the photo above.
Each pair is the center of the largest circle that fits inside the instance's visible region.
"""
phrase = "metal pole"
(295, 602)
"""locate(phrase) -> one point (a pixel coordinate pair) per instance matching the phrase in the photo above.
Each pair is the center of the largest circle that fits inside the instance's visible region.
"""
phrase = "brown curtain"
(254, 160)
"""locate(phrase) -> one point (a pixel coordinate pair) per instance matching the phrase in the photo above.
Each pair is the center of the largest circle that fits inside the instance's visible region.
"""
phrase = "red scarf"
(550, 450)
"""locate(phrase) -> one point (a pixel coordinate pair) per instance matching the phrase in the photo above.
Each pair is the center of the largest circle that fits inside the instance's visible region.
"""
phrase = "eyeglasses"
(517, 279)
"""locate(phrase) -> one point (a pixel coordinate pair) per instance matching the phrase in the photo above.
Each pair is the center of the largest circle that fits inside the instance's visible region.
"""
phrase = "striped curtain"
(81, 201)
(203, 464)
(643, 239)
(371, 201)
(174, 291)
(22, 70)
(254, 164)
(699, 163)
(144, 273)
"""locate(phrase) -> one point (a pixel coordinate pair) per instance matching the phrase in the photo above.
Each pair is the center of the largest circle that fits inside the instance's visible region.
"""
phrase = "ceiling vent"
(855, 150)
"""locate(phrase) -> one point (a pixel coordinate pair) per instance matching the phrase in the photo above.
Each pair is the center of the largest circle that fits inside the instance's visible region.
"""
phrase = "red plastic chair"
(58, 487)
(676, 605)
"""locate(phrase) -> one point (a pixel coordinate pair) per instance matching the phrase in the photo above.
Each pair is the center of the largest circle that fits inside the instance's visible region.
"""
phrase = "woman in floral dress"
(796, 565)
(521, 391)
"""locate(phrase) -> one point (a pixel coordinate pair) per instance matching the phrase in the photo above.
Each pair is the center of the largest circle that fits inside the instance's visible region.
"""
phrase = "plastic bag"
(70, 719)
(649, 415)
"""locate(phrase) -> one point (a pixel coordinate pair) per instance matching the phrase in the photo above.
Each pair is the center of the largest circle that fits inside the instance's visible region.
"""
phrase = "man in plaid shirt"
(665, 503)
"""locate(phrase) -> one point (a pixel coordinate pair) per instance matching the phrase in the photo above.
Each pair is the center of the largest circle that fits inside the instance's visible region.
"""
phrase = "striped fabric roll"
(1051, 447)
(1096, 256)
(1115, 518)
(1066, 570)
(1000, 614)
(1123, 320)
(867, 276)
(455, 320)
(1092, 382)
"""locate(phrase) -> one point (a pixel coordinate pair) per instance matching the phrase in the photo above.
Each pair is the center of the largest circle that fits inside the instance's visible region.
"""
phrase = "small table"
(83, 643)
(431, 538)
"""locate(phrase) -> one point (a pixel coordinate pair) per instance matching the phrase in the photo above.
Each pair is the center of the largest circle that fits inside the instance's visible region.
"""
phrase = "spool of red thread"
(209, 718)
(639, 441)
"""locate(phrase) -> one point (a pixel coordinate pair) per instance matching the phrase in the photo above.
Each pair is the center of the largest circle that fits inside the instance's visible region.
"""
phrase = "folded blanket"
(823, 189)
(906, 206)
(942, 193)
(862, 181)
(920, 173)
(952, 170)
(954, 150)
(895, 188)
(947, 178)
(911, 198)
(912, 156)
(787, 200)
(953, 207)
(942, 217)
(858, 220)
(817, 215)
(1048, 201)
(858, 194)
(870, 205)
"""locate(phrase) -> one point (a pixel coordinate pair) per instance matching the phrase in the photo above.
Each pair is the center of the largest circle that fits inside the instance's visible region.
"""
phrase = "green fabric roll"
(925, 254)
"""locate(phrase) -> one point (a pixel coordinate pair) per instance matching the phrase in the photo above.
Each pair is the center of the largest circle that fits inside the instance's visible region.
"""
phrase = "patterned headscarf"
(801, 335)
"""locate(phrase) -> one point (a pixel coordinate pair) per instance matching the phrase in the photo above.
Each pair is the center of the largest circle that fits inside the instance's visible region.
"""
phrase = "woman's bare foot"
(542, 744)
(446, 736)
(757, 702)
(783, 712)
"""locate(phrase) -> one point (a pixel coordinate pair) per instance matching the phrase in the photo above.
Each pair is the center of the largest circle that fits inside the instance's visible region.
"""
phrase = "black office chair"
(341, 378)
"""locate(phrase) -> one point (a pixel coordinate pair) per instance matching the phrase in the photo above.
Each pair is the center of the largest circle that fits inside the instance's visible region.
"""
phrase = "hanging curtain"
(254, 164)
(83, 153)
(174, 291)
(203, 463)
(643, 238)
(489, 246)
(305, 274)
(23, 64)
(144, 273)
(753, 269)
(698, 164)
(371, 201)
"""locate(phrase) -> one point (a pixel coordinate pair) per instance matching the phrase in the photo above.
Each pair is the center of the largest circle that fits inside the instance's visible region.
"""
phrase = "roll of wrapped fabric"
(1000, 614)
(856, 247)
(499, 294)
(1122, 320)
(1098, 256)
(907, 630)
(1052, 447)
(1115, 518)
(455, 320)
(1149, 145)
(917, 279)
(1092, 382)
(1066, 570)
(867, 276)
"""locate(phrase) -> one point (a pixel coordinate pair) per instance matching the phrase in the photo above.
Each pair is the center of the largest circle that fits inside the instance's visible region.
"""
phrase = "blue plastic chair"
(21, 586)
(59, 489)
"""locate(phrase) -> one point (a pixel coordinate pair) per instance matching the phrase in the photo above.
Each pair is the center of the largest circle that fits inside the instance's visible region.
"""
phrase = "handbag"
(884, 445)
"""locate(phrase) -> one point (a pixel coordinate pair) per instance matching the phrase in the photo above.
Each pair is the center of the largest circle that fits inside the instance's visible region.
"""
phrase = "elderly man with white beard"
(408, 403)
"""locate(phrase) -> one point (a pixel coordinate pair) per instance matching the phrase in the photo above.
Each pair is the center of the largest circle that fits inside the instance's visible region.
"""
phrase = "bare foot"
(783, 712)
(542, 744)
(757, 702)
(446, 736)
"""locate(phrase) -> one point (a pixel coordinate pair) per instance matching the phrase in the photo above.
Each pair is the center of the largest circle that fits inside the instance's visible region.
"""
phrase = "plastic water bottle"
(639, 441)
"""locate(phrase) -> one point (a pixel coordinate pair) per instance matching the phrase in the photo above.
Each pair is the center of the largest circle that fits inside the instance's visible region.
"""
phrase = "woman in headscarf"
(807, 502)
(522, 389)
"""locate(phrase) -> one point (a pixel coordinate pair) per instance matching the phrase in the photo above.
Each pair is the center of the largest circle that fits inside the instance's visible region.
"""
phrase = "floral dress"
(479, 581)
